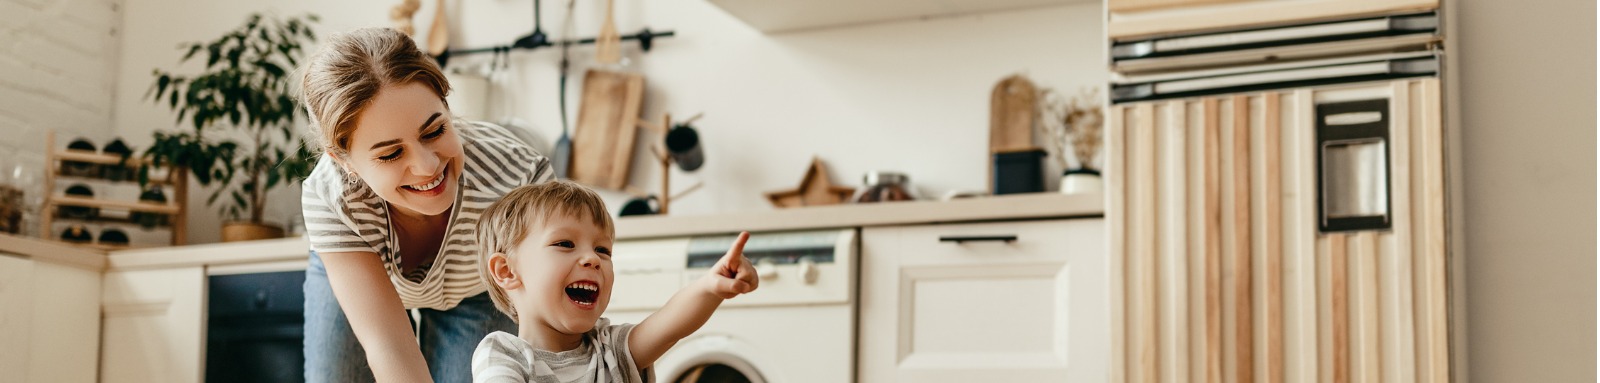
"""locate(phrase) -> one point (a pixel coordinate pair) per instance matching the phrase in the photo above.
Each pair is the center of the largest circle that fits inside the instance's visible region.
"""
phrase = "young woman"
(390, 210)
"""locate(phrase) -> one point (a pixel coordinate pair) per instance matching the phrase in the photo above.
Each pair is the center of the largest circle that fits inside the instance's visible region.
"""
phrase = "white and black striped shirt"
(349, 217)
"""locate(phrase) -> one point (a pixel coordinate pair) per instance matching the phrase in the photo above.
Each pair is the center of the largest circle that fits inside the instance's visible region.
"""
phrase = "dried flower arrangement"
(1075, 123)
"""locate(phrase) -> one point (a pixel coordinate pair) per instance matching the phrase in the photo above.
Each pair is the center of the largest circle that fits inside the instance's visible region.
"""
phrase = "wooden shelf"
(177, 190)
(100, 203)
(153, 180)
(771, 16)
(95, 158)
(98, 246)
(114, 221)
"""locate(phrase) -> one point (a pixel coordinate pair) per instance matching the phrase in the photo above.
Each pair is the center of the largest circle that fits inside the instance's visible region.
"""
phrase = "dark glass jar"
(882, 186)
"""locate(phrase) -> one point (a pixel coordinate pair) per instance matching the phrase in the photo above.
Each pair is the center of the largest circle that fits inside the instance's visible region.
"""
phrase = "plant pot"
(1080, 181)
(245, 231)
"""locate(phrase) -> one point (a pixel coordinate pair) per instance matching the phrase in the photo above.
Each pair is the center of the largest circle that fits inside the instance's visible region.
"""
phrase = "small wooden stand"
(176, 178)
(664, 158)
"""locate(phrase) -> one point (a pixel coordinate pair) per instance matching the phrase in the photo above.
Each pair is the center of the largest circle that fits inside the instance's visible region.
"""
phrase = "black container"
(151, 220)
(113, 236)
(117, 172)
(640, 206)
(79, 168)
(77, 234)
(1019, 172)
(684, 144)
(79, 212)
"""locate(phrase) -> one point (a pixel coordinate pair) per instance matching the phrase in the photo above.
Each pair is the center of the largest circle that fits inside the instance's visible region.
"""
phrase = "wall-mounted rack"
(539, 39)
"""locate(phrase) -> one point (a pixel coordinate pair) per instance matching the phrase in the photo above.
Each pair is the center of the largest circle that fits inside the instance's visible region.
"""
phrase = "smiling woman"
(389, 212)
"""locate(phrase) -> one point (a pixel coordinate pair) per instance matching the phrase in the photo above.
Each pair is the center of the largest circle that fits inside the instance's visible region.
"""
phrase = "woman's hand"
(733, 274)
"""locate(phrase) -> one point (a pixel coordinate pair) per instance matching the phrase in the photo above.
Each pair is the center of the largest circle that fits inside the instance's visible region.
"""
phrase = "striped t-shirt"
(603, 357)
(346, 216)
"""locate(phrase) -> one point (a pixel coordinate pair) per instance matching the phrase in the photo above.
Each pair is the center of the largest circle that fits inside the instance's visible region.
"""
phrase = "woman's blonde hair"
(507, 222)
(343, 77)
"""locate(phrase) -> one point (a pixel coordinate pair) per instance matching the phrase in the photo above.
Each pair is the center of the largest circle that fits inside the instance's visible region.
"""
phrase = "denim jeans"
(447, 337)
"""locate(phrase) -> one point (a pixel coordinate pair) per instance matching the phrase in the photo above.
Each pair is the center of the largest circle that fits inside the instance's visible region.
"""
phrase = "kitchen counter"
(999, 208)
(46, 251)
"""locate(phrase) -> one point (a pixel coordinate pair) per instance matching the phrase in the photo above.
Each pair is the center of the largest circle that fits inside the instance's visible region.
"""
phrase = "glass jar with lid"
(885, 186)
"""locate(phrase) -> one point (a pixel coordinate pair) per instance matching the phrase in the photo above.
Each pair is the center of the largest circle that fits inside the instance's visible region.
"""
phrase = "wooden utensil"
(439, 34)
(608, 43)
(1011, 114)
(602, 148)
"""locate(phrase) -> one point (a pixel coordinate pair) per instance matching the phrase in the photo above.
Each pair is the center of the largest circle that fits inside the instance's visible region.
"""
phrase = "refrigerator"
(1276, 195)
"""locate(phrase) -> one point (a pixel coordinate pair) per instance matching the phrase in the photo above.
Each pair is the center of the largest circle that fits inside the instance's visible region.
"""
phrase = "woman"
(389, 212)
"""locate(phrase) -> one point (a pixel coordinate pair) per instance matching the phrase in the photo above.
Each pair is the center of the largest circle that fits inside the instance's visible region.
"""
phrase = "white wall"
(1527, 129)
(908, 96)
(57, 71)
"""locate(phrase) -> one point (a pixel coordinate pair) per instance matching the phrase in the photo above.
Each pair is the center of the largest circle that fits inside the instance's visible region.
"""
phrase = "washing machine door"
(711, 358)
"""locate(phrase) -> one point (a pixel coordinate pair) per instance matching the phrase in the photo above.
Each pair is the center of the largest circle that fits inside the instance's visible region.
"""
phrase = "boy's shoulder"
(502, 357)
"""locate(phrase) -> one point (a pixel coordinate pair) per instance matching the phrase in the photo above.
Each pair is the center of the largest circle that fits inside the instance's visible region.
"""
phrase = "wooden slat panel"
(1142, 245)
(1300, 279)
(1213, 238)
(1399, 351)
(1198, 224)
(1174, 240)
(1116, 226)
(1241, 233)
(1339, 290)
(1273, 217)
(1365, 353)
(1431, 283)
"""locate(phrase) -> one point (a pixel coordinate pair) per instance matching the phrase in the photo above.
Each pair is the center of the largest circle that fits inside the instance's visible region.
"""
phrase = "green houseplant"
(241, 119)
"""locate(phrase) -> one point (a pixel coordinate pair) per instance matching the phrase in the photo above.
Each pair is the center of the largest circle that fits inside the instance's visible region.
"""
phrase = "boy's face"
(565, 267)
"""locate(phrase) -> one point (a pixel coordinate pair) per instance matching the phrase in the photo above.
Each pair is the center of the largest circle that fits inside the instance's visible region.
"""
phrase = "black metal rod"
(646, 34)
(978, 238)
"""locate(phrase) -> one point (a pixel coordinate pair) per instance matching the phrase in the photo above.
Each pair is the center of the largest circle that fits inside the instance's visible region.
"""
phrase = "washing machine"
(799, 326)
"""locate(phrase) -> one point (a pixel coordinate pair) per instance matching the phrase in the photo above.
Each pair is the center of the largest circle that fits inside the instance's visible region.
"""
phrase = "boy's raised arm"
(692, 306)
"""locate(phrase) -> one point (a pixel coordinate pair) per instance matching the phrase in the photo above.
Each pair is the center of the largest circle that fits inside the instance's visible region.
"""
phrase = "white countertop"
(47, 251)
(999, 208)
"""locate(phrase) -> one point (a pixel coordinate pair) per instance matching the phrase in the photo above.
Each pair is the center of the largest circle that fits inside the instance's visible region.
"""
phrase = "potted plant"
(241, 118)
(1074, 126)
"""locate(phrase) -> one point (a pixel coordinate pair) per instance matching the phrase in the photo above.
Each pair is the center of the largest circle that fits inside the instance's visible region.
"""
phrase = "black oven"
(255, 328)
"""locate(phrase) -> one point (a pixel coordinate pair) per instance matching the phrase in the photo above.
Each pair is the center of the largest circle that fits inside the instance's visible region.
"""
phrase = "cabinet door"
(1138, 19)
(1022, 301)
(50, 321)
(16, 295)
(154, 326)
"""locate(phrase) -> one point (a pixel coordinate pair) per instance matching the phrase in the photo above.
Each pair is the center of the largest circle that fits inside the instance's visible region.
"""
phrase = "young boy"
(545, 251)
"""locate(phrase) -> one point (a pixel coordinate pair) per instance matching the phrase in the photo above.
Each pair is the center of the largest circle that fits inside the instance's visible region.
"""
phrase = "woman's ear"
(502, 274)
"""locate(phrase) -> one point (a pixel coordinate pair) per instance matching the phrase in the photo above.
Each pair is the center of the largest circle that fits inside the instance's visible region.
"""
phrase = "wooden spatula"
(607, 44)
(439, 35)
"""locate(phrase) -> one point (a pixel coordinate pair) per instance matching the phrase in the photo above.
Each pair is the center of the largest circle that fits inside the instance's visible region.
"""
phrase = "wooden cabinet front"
(1020, 301)
(1220, 270)
(154, 326)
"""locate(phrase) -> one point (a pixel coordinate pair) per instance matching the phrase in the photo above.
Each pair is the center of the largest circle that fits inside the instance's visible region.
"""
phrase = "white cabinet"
(50, 321)
(999, 302)
(154, 326)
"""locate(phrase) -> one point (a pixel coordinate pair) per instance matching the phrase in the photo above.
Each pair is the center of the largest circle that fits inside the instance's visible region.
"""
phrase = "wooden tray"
(602, 142)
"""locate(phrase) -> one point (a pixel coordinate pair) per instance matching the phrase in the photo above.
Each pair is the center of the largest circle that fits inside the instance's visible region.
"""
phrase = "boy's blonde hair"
(507, 222)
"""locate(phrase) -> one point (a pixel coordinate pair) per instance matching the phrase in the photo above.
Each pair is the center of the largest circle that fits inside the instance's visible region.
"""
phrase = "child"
(546, 258)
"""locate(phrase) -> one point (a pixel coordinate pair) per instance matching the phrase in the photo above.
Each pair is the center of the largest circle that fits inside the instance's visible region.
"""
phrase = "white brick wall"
(58, 62)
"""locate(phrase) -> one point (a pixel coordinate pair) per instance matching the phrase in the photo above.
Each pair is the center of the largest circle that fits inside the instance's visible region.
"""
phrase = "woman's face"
(406, 149)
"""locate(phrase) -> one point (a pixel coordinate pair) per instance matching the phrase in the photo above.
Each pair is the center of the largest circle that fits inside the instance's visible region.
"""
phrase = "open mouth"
(430, 187)
(584, 293)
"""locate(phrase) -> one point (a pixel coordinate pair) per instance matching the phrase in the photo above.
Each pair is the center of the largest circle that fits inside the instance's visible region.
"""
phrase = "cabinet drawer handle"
(978, 238)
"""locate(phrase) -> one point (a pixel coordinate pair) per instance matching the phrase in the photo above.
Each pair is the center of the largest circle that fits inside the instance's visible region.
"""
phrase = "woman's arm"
(376, 315)
(692, 306)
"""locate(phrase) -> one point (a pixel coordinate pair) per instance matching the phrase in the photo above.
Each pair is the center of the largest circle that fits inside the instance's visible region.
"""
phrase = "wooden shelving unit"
(176, 182)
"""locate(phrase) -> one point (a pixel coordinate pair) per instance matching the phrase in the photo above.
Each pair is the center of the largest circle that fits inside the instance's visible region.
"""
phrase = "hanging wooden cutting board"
(1011, 114)
(602, 142)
